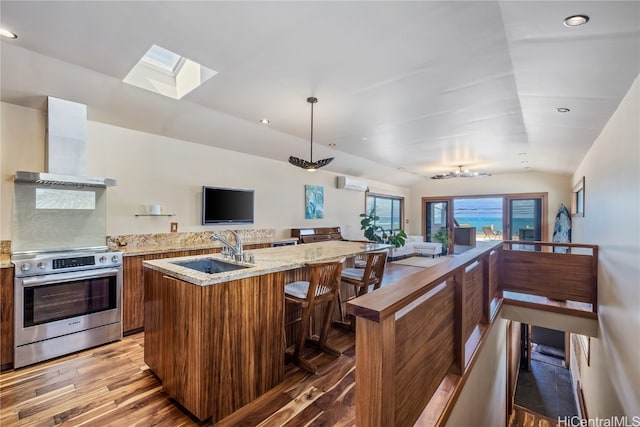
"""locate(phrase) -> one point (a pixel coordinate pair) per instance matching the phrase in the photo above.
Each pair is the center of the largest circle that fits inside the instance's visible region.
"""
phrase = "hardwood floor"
(112, 386)
(521, 417)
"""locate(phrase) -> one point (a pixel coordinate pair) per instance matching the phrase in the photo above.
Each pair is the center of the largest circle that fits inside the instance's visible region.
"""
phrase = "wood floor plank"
(112, 386)
(293, 408)
(522, 417)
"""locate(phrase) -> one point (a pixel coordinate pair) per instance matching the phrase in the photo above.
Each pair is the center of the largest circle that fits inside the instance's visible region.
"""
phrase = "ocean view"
(486, 221)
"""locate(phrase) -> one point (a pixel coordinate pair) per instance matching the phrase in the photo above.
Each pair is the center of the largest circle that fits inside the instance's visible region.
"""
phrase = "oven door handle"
(66, 277)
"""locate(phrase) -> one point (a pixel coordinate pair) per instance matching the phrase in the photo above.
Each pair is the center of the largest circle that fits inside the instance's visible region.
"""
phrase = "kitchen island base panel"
(215, 348)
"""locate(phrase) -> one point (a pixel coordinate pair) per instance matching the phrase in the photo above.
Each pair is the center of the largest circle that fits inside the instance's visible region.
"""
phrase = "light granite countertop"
(268, 260)
(5, 261)
(163, 248)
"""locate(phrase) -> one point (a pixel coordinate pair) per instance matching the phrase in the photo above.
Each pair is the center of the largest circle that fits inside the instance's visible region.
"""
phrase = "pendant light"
(310, 165)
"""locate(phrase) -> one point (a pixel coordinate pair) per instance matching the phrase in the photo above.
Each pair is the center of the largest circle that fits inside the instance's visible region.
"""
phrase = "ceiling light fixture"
(265, 121)
(460, 173)
(562, 110)
(310, 165)
(575, 20)
(8, 34)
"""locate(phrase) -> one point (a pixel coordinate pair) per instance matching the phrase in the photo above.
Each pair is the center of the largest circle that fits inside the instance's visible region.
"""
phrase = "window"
(521, 216)
(390, 209)
(577, 201)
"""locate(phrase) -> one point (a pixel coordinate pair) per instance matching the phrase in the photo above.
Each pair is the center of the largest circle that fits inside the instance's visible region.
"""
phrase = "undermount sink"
(210, 265)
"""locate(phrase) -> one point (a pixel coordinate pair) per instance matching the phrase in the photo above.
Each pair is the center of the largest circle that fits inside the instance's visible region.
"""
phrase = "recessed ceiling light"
(8, 34)
(562, 110)
(576, 20)
(265, 121)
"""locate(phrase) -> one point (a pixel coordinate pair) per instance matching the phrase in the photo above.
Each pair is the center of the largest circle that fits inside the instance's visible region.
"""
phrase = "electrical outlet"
(174, 227)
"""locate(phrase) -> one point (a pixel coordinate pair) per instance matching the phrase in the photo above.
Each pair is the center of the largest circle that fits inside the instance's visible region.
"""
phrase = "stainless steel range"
(65, 302)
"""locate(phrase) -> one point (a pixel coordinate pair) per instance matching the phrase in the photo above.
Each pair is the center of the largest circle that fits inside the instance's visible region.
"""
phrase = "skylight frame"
(155, 57)
(174, 77)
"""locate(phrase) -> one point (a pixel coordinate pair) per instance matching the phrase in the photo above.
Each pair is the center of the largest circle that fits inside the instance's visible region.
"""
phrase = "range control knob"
(103, 259)
(42, 265)
(25, 266)
(115, 258)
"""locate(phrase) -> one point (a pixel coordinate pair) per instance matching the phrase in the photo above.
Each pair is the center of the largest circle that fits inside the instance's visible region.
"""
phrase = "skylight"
(163, 59)
(167, 73)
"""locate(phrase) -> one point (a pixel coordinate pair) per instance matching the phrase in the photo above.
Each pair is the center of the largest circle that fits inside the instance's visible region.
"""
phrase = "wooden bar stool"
(363, 278)
(323, 287)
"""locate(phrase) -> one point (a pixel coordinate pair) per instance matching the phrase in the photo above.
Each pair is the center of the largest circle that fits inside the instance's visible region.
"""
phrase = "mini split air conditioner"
(353, 184)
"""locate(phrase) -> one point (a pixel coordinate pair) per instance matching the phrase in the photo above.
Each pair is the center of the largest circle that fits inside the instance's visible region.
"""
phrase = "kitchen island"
(216, 341)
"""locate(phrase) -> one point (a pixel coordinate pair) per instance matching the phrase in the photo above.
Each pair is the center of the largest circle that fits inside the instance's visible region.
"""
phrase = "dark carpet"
(546, 390)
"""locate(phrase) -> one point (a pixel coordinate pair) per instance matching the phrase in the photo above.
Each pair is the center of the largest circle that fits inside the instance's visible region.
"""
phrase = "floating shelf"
(155, 214)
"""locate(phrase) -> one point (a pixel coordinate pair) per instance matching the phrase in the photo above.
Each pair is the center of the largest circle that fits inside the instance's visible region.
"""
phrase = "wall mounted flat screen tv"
(226, 205)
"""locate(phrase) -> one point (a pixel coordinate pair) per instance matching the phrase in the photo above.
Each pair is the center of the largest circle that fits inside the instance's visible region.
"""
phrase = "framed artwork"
(314, 201)
(582, 348)
(577, 199)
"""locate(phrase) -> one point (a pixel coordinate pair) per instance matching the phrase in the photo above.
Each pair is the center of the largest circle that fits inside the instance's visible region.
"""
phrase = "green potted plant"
(377, 234)
(443, 237)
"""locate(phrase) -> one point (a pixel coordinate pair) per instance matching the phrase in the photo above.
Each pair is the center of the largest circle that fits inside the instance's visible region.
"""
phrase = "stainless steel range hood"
(66, 148)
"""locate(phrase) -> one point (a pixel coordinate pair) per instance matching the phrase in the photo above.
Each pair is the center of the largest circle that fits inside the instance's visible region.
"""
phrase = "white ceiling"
(430, 85)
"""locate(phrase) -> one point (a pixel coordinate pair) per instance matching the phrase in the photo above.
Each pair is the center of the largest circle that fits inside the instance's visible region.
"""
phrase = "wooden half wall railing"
(568, 274)
(428, 327)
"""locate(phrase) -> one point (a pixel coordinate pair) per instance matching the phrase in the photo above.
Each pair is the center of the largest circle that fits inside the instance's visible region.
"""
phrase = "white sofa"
(428, 248)
(416, 245)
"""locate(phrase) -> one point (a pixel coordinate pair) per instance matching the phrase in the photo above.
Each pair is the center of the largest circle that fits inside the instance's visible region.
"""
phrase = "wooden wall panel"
(246, 318)
(215, 348)
(494, 274)
(132, 294)
(374, 377)
(552, 275)
(473, 295)
(6, 318)
(424, 352)
(153, 315)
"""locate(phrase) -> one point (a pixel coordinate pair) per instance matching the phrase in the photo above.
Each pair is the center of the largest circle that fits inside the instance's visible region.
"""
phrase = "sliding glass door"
(493, 217)
(525, 220)
(437, 220)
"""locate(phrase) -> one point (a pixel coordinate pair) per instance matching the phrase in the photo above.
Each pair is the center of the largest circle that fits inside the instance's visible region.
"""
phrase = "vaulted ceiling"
(405, 89)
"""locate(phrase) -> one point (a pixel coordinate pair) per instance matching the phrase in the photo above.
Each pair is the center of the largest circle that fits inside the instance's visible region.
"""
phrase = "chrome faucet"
(236, 250)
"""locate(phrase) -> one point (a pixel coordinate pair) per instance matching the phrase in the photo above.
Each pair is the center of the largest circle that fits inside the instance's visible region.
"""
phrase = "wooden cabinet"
(215, 348)
(133, 285)
(6, 318)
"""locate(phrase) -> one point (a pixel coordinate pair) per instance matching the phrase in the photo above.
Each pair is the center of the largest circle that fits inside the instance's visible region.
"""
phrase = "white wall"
(171, 172)
(22, 148)
(611, 168)
(483, 400)
(558, 187)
